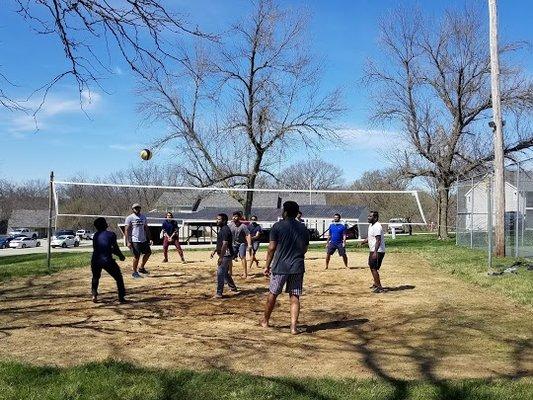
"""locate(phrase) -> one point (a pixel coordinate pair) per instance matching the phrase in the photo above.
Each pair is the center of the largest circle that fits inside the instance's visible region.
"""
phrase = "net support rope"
(414, 193)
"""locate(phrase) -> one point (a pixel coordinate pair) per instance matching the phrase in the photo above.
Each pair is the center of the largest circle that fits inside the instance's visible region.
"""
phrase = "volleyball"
(146, 154)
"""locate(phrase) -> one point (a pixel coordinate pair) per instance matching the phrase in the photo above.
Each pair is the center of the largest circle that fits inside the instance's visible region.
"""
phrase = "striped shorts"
(293, 284)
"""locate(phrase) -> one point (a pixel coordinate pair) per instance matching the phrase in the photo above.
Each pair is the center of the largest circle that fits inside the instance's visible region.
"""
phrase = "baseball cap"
(136, 205)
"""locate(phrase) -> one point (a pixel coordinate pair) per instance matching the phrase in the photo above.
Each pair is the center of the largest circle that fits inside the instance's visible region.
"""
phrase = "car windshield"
(61, 237)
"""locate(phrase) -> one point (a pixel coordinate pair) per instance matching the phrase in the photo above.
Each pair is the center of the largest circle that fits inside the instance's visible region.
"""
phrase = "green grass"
(35, 264)
(116, 380)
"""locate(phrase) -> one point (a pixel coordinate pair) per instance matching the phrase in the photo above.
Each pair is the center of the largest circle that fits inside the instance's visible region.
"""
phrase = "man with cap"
(138, 239)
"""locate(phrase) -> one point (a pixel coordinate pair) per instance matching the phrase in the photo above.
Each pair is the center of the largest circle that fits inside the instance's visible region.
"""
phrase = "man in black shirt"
(104, 246)
(288, 244)
(225, 253)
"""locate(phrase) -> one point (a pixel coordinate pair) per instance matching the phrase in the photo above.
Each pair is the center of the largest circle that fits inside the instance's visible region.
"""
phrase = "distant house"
(196, 212)
(36, 220)
(475, 204)
(191, 200)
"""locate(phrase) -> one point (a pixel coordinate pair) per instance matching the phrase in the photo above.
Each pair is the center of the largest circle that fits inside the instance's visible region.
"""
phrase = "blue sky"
(109, 134)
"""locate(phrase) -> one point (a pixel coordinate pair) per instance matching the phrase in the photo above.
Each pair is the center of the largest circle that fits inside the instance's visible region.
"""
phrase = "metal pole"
(517, 213)
(499, 179)
(457, 213)
(489, 224)
(50, 217)
(472, 213)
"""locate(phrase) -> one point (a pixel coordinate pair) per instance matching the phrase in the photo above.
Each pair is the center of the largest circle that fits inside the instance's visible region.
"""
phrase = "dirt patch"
(428, 325)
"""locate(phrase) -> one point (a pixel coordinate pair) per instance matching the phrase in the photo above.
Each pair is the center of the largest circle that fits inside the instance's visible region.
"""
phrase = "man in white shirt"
(376, 244)
(138, 239)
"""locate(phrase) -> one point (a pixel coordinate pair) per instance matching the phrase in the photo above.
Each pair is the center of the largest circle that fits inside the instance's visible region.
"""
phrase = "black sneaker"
(378, 289)
(144, 271)
(122, 300)
(235, 290)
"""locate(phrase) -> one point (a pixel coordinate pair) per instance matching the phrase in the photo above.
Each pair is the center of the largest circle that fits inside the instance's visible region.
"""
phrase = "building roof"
(191, 200)
(272, 214)
(28, 219)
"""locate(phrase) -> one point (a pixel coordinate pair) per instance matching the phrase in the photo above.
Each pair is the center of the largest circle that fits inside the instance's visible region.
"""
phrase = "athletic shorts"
(332, 247)
(138, 248)
(255, 246)
(293, 284)
(375, 263)
(240, 250)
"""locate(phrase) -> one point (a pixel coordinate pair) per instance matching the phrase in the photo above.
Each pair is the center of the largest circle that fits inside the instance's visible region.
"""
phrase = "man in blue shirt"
(337, 240)
(104, 246)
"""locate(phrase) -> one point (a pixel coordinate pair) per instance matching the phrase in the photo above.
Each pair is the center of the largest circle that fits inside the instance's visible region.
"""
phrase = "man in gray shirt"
(138, 239)
(289, 240)
(242, 240)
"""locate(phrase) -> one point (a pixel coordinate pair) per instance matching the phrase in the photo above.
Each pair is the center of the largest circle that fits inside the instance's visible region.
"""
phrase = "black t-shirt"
(224, 235)
(292, 238)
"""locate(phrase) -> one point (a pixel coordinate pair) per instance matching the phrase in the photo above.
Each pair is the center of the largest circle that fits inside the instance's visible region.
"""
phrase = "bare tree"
(312, 174)
(434, 85)
(87, 29)
(263, 90)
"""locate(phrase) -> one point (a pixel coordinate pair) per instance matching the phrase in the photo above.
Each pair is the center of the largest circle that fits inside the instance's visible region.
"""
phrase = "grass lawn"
(115, 380)
(35, 264)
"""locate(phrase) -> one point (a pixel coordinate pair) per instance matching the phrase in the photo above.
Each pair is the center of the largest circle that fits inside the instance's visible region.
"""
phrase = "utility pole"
(499, 179)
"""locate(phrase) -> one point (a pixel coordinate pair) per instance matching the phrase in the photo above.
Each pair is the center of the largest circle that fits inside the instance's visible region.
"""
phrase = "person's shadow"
(398, 288)
(339, 324)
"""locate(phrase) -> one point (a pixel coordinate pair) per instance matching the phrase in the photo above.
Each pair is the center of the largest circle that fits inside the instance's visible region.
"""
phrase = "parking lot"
(85, 245)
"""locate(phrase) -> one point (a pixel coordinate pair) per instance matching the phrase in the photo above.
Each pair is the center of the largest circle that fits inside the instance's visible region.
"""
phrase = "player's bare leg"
(295, 313)
(270, 303)
(328, 257)
(245, 267)
(135, 264)
(375, 275)
(345, 259)
(144, 260)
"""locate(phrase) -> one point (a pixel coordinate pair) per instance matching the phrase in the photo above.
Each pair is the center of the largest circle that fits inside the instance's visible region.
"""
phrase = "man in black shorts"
(288, 244)
(376, 244)
(138, 240)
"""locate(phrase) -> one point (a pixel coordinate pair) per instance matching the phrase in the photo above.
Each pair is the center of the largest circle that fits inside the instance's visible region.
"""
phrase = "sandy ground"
(428, 325)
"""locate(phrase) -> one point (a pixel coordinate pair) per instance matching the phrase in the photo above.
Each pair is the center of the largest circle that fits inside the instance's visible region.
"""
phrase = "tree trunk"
(251, 185)
(443, 205)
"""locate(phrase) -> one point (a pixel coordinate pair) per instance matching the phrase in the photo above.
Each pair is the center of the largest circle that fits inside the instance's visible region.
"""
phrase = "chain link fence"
(476, 210)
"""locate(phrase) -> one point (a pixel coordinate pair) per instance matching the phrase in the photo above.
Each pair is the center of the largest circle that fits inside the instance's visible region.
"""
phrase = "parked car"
(4, 241)
(24, 242)
(84, 234)
(65, 241)
(23, 231)
(399, 225)
(63, 232)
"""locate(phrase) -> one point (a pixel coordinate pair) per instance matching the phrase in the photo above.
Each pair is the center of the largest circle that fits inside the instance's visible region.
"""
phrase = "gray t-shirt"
(137, 223)
(239, 233)
(292, 238)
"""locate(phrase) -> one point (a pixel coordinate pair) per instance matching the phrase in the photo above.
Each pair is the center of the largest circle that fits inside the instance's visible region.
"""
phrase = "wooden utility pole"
(499, 179)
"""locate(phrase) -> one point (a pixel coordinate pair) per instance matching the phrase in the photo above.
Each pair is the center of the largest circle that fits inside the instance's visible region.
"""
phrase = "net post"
(50, 216)
(457, 212)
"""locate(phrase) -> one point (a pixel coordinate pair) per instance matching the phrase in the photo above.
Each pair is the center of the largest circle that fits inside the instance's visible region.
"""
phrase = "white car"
(23, 231)
(400, 225)
(65, 241)
(24, 242)
(84, 234)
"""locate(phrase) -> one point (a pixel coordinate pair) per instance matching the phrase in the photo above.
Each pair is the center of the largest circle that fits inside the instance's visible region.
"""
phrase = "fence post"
(50, 213)
(517, 214)
(472, 213)
(457, 220)
(489, 223)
